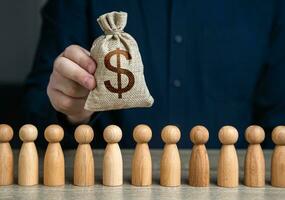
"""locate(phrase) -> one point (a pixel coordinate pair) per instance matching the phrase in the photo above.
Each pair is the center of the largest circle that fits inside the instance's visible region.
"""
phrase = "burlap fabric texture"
(119, 75)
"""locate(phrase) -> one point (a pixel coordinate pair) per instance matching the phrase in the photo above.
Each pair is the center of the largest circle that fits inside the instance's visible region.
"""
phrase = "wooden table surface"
(127, 191)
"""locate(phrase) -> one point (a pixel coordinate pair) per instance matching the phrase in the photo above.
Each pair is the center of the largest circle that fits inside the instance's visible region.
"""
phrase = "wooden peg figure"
(170, 164)
(278, 157)
(54, 169)
(83, 161)
(199, 168)
(6, 155)
(141, 163)
(254, 164)
(228, 174)
(112, 160)
(28, 165)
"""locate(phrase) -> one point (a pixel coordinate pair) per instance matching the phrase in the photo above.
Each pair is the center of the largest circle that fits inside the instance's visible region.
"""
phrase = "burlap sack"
(119, 73)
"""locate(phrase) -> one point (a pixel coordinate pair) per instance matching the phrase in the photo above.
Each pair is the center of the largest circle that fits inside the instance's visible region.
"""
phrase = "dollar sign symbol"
(118, 52)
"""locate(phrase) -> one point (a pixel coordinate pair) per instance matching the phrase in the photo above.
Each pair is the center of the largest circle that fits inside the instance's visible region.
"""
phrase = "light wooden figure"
(6, 155)
(54, 168)
(28, 164)
(170, 164)
(228, 168)
(278, 157)
(84, 162)
(112, 160)
(254, 163)
(199, 168)
(141, 163)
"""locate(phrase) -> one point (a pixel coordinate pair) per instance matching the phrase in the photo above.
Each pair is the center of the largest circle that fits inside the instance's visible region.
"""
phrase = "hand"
(70, 83)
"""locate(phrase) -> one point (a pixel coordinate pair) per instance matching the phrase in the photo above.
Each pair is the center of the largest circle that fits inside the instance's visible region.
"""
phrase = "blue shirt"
(212, 63)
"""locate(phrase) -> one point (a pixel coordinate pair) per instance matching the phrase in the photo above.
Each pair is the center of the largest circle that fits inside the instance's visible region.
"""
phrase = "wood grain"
(128, 191)
(28, 168)
(199, 168)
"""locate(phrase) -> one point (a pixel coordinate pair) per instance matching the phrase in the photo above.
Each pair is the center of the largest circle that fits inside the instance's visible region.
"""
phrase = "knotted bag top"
(113, 23)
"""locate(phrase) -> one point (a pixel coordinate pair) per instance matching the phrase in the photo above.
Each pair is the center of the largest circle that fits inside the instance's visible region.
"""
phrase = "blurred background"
(20, 27)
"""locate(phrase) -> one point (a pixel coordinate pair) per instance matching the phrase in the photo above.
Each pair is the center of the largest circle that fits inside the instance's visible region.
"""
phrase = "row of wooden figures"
(170, 164)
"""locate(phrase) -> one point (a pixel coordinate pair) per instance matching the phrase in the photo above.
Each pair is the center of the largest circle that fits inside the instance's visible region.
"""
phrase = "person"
(213, 63)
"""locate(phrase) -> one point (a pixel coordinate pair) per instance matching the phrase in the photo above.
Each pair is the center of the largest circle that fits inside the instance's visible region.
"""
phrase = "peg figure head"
(278, 135)
(112, 134)
(6, 133)
(228, 135)
(28, 133)
(142, 133)
(54, 133)
(84, 134)
(254, 134)
(170, 134)
(199, 135)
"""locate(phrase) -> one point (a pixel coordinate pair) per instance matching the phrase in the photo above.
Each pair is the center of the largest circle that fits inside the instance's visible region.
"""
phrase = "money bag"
(119, 75)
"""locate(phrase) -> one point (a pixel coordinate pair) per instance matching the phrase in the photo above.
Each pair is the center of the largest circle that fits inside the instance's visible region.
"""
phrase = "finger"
(81, 57)
(71, 70)
(66, 104)
(67, 86)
